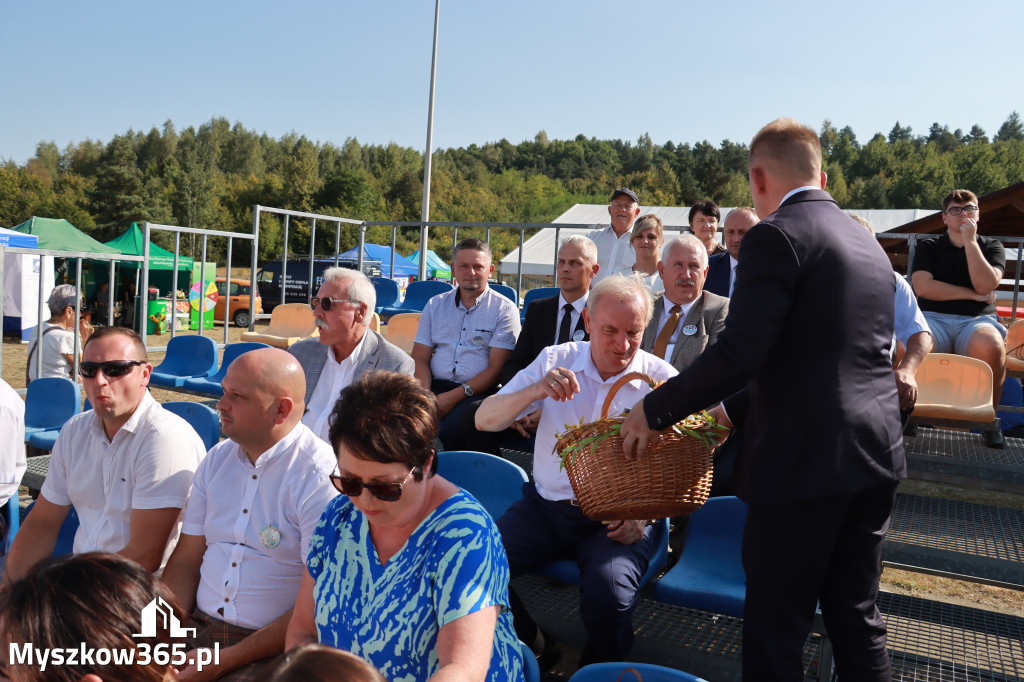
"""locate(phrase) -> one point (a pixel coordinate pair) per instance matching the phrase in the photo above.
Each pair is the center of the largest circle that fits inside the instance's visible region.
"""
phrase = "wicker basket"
(673, 478)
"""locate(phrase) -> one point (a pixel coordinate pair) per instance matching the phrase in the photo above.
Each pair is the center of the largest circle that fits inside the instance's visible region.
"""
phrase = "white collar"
(796, 191)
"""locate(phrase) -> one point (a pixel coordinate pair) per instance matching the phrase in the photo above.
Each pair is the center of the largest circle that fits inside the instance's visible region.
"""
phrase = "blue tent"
(382, 254)
(18, 239)
(435, 266)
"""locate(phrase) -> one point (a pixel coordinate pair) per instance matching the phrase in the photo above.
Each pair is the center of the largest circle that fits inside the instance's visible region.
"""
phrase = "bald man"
(255, 502)
(819, 492)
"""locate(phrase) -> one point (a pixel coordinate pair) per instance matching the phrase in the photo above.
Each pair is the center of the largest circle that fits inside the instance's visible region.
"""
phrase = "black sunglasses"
(112, 368)
(386, 492)
(328, 303)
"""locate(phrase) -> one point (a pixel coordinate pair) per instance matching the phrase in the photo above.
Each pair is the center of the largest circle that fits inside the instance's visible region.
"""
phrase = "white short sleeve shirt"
(54, 346)
(148, 465)
(614, 253)
(258, 521)
(12, 441)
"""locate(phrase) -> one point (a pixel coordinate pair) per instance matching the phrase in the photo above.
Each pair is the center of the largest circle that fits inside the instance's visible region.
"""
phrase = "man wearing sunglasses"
(955, 276)
(125, 466)
(256, 499)
(346, 348)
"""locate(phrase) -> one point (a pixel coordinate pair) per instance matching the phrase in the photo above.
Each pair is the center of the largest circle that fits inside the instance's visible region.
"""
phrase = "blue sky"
(680, 71)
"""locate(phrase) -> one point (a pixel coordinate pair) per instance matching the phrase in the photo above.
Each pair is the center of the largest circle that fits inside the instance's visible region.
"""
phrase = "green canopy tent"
(59, 234)
(161, 262)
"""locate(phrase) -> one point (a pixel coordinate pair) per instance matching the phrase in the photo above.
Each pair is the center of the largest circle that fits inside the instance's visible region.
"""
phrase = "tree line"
(211, 177)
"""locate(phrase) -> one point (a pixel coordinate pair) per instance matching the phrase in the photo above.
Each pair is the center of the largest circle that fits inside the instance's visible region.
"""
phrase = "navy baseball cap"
(622, 191)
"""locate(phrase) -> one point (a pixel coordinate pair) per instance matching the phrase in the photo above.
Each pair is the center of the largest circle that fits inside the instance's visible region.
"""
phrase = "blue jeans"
(952, 333)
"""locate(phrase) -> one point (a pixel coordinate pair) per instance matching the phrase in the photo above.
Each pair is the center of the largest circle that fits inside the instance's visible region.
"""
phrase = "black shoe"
(548, 658)
(994, 439)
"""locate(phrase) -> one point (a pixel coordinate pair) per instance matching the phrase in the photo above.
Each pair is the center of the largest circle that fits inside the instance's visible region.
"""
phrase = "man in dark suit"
(687, 318)
(346, 347)
(722, 266)
(816, 400)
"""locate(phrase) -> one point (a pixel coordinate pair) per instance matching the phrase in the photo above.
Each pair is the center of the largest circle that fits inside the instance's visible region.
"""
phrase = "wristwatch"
(468, 390)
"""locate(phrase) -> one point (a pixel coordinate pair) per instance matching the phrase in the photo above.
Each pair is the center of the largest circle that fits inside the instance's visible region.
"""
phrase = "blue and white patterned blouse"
(452, 565)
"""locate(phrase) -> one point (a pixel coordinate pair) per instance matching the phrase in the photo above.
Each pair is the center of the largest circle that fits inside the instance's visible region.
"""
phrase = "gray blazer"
(707, 314)
(377, 354)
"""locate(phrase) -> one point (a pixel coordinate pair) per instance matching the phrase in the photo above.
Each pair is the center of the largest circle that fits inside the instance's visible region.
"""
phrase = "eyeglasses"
(966, 210)
(386, 492)
(112, 368)
(328, 303)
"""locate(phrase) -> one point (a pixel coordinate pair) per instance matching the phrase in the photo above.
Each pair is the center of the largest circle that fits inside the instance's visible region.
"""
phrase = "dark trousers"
(536, 532)
(795, 555)
(457, 430)
(210, 630)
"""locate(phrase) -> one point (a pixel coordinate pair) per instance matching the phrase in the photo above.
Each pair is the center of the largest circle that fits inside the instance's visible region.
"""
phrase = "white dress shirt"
(148, 465)
(551, 480)
(12, 441)
(684, 310)
(613, 252)
(577, 309)
(334, 377)
(258, 521)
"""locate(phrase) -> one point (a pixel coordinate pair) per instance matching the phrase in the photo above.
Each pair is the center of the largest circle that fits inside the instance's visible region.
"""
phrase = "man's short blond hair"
(792, 145)
(586, 244)
(622, 287)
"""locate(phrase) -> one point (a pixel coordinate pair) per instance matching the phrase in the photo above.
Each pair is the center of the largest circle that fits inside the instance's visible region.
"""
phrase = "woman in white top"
(57, 348)
(648, 238)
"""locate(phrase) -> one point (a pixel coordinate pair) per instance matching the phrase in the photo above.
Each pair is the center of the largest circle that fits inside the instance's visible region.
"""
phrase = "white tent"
(21, 283)
(539, 251)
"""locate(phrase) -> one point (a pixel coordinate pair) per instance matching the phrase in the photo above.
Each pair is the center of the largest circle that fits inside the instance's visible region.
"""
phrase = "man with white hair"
(687, 319)
(570, 381)
(346, 348)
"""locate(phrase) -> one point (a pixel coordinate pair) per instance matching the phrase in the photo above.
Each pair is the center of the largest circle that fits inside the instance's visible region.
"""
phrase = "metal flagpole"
(429, 153)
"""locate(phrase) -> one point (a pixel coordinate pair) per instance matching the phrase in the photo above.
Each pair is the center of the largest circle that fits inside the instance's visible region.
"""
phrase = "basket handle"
(631, 670)
(619, 383)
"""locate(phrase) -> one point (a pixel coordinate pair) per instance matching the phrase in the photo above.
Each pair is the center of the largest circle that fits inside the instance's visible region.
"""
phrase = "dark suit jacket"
(537, 334)
(707, 315)
(719, 270)
(377, 353)
(811, 318)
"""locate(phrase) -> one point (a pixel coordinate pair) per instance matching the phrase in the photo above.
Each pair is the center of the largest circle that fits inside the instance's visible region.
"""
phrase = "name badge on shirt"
(578, 335)
(479, 340)
(270, 536)
(690, 329)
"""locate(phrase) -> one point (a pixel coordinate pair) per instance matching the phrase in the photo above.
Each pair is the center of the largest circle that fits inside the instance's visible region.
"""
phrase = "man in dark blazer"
(722, 266)
(804, 369)
(683, 267)
(346, 347)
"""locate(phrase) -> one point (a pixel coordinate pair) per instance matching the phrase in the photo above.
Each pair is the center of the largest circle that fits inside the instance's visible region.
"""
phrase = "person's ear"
(758, 180)
(824, 179)
(91, 678)
(586, 320)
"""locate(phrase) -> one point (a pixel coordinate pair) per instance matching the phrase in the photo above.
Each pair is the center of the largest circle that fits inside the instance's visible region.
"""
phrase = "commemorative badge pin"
(270, 536)
(577, 335)
(690, 329)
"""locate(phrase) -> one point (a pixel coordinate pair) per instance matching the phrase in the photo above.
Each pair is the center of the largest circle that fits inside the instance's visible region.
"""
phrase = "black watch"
(468, 390)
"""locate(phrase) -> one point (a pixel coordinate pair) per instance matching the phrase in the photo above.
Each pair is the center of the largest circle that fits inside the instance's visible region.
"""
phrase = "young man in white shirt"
(257, 498)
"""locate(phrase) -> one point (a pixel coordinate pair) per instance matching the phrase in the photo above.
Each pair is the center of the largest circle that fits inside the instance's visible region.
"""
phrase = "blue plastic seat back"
(535, 294)
(44, 440)
(568, 572)
(418, 293)
(65, 538)
(495, 482)
(189, 356)
(231, 353)
(645, 672)
(203, 419)
(388, 292)
(506, 291)
(531, 669)
(49, 402)
(709, 574)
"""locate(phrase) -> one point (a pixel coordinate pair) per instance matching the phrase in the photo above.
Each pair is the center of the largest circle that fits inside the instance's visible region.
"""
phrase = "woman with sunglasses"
(404, 569)
(648, 238)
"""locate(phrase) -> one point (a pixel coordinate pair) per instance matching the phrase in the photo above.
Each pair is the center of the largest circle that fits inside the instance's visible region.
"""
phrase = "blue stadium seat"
(531, 670)
(495, 482)
(188, 356)
(49, 402)
(709, 574)
(211, 385)
(568, 572)
(388, 292)
(620, 672)
(203, 419)
(506, 291)
(534, 294)
(416, 296)
(44, 440)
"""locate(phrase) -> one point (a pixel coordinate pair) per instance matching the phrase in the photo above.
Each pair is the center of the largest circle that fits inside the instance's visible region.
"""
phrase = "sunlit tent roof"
(382, 254)
(60, 235)
(131, 244)
(539, 250)
(12, 238)
(435, 266)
